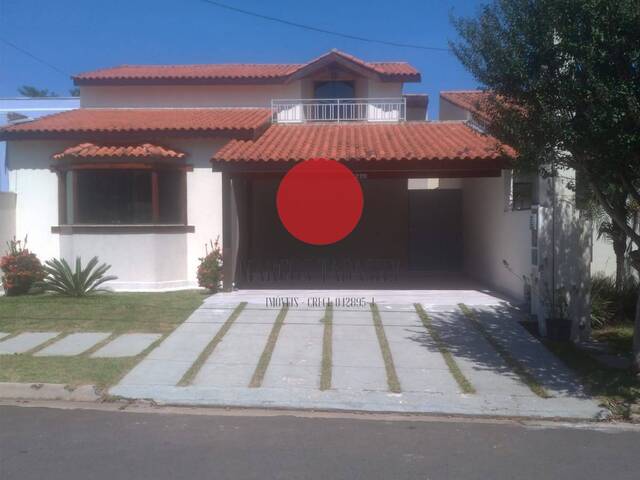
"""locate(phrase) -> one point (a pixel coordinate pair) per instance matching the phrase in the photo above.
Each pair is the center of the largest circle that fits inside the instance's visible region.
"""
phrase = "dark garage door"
(435, 230)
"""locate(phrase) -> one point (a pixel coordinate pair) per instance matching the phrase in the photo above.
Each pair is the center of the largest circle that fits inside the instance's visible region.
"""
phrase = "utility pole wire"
(34, 57)
(322, 30)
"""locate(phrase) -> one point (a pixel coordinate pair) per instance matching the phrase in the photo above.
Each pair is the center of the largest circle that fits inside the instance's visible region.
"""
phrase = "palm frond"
(60, 278)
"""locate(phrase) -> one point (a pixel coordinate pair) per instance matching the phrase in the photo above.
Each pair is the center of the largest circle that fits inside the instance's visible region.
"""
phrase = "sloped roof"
(238, 72)
(231, 122)
(412, 141)
(141, 151)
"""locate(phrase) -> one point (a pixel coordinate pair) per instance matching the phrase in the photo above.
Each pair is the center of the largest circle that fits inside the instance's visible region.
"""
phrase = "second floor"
(333, 87)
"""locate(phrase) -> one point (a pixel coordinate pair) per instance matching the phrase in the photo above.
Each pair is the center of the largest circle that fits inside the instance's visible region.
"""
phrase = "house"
(159, 160)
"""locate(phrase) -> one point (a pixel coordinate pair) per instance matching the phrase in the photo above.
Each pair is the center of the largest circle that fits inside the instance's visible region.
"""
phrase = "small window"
(524, 188)
(522, 195)
(128, 197)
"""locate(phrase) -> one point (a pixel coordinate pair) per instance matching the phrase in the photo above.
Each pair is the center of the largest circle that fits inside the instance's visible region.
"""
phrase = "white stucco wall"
(141, 261)
(187, 95)
(36, 189)
(204, 198)
(449, 111)
(493, 234)
(384, 89)
(7, 219)
(603, 259)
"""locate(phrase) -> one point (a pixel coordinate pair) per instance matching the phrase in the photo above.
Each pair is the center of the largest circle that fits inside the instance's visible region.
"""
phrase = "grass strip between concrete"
(463, 382)
(392, 377)
(512, 362)
(327, 348)
(189, 376)
(265, 358)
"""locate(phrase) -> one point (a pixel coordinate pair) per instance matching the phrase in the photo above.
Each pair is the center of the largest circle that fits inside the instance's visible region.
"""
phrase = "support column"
(228, 269)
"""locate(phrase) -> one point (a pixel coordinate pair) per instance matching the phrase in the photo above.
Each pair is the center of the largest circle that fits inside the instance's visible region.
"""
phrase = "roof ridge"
(464, 91)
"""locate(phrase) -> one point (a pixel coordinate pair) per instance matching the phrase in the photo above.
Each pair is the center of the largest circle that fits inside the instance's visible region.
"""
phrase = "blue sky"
(76, 36)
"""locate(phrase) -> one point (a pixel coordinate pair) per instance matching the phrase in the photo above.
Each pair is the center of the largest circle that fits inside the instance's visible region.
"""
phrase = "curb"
(48, 391)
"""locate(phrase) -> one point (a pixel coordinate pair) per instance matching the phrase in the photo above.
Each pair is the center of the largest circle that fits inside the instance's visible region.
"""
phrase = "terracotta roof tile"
(420, 141)
(143, 150)
(242, 122)
(232, 72)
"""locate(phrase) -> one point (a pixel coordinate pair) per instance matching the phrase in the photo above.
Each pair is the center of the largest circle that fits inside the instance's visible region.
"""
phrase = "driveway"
(431, 351)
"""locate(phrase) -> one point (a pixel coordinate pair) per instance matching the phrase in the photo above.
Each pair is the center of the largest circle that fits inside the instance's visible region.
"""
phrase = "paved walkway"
(97, 344)
(448, 361)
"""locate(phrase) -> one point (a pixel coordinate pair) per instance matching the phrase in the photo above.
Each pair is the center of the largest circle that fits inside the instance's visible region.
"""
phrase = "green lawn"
(110, 312)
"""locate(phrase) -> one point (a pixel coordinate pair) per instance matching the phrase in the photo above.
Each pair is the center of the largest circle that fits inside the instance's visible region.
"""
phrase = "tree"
(31, 91)
(565, 83)
(74, 92)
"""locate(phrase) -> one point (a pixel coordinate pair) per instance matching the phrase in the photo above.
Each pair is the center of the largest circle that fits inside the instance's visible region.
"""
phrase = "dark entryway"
(435, 230)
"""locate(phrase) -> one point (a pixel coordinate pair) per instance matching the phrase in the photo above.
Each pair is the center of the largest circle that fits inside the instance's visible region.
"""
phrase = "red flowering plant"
(20, 268)
(210, 268)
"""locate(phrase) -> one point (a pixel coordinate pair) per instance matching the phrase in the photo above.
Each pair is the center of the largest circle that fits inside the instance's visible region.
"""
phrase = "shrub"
(83, 281)
(20, 268)
(604, 300)
(210, 268)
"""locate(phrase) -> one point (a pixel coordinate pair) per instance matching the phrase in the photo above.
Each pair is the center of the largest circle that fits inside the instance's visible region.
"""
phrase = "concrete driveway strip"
(233, 362)
(419, 364)
(126, 345)
(25, 341)
(502, 323)
(357, 359)
(73, 344)
(167, 363)
(297, 358)
(477, 359)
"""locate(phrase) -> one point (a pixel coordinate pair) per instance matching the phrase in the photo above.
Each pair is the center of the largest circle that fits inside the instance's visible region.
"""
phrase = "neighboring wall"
(7, 219)
(495, 234)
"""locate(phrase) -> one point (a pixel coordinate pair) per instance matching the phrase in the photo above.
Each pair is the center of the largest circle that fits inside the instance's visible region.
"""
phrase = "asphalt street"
(37, 443)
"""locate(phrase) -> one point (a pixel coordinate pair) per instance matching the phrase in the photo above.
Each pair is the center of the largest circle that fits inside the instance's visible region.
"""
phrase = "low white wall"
(141, 261)
(492, 235)
(7, 219)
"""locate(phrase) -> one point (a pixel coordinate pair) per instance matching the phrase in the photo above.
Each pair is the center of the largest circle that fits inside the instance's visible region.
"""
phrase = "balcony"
(339, 110)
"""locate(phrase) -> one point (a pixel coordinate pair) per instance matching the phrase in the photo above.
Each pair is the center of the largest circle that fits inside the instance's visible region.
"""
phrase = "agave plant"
(62, 279)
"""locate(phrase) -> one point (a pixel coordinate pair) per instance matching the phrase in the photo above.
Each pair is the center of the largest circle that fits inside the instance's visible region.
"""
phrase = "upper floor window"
(334, 89)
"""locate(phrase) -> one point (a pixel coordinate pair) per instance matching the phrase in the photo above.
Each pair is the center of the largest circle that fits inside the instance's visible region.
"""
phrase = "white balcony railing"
(339, 110)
